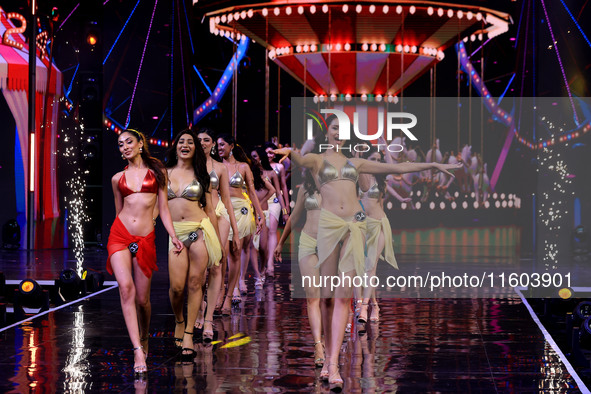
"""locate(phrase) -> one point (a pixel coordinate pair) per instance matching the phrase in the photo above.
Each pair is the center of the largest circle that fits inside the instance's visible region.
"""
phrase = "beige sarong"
(221, 211)
(212, 243)
(244, 217)
(331, 230)
(274, 207)
(374, 228)
(307, 246)
(256, 239)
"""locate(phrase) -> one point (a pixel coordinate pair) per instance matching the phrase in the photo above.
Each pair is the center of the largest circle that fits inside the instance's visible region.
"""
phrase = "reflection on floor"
(426, 345)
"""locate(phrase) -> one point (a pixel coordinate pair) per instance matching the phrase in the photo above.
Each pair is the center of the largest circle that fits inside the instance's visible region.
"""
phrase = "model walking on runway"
(132, 251)
(196, 225)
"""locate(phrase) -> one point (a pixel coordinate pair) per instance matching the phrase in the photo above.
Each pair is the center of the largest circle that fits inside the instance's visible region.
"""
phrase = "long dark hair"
(199, 161)
(237, 151)
(151, 162)
(263, 158)
(257, 175)
(215, 154)
(309, 183)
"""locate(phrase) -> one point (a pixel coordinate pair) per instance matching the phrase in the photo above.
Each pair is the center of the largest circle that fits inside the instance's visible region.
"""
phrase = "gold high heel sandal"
(334, 379)
(318, 361)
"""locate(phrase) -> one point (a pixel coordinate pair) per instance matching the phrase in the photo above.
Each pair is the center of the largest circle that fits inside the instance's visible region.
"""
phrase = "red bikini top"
(149, 185)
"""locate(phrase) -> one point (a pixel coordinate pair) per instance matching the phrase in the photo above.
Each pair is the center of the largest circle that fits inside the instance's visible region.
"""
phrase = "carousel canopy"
(360, 47)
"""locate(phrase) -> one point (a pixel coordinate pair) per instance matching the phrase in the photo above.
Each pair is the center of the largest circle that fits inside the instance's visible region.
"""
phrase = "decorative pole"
(31, 105)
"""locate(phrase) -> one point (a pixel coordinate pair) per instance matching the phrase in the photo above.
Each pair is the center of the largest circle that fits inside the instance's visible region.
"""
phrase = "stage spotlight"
(11, 235)
(30, 295)
(91, 39)
(94, 280)
(582, 310)
(69, 285)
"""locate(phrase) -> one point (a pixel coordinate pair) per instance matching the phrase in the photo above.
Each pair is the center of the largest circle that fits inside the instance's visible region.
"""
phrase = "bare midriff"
(373, 208)
(340, 198)
(183, 210)
(136, 214)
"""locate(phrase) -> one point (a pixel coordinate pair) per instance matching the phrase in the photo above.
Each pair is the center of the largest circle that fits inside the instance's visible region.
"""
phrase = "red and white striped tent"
(356, 47)
(14, 84)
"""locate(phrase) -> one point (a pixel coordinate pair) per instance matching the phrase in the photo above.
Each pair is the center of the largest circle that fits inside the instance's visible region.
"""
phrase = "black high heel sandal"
(178, 342)
(187, 353)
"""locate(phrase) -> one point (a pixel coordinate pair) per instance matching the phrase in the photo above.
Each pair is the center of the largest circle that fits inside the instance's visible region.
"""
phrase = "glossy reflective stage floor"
(429, 345)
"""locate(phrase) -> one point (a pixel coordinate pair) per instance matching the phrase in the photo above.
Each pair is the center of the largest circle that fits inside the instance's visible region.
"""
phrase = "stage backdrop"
(14, 84)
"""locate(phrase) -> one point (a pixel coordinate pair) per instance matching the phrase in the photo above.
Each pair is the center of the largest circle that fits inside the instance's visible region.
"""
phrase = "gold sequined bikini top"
(311, 202)
(236, 180)
(214, 180)
(329, 173)
(373, 192)
(192, 192)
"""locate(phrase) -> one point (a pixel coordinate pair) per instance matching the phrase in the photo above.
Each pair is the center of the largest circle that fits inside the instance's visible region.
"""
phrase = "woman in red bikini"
(131, 247)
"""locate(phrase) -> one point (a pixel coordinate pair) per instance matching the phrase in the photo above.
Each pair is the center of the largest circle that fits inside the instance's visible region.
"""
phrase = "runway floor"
(419, 345)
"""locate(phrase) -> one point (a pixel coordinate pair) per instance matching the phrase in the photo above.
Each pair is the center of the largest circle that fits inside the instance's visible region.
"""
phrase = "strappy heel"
(207, 334)
(334, 379)
(178, 342)
(236, 298)
(201, 316)
(375, 313)
(187, 353)
(324, 372)
(145, 347)
(258, 283)
(361, 318)
(139, 370)
(318, 361)
(242, 287)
